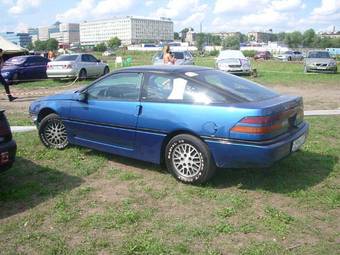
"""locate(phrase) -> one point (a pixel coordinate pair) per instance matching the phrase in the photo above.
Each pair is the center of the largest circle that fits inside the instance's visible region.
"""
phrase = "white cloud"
(327, 7)
(92, 8)
(286, 5)
(20, 6)
(21, 27)
(238, 6)
(179, 8)
(149, 3)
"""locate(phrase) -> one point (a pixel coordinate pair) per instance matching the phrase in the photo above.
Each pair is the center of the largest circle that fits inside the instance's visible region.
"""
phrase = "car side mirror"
(83, 96)
(98, 60)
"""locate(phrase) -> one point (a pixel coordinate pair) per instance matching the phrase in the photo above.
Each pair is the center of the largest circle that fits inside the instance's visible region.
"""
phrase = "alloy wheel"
(187, 160)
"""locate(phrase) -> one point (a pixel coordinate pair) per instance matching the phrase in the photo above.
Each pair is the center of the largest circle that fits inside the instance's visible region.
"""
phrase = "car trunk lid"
(275, 117)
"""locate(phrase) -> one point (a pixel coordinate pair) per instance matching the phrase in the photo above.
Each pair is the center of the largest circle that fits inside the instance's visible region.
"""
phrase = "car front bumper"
(235, 70)
(7, 155)
(321, 68)
(241, 154)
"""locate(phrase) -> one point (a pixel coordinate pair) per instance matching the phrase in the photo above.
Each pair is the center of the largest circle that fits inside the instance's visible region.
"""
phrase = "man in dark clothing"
(2, 80)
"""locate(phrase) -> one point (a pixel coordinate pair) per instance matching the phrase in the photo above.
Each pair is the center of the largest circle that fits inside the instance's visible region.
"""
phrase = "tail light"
(267, 126)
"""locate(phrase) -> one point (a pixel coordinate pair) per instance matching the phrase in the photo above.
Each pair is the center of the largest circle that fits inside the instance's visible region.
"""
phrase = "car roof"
(165, 68)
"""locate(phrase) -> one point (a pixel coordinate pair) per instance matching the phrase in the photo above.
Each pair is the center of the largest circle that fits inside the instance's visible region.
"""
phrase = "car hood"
(319, 60)
(9, 68)
(64, 95)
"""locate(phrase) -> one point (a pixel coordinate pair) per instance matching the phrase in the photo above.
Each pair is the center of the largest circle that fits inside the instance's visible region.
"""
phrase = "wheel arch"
(172, 135)
(44, 112)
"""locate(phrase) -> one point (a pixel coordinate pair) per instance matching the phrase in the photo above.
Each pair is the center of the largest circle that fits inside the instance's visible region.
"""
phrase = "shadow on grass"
(27, 184)
(297, 172)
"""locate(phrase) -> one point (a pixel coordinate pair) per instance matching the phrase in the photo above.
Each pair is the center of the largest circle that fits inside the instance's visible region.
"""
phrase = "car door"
(87, 65)
(107, 119)
(41, 64)
(96, 65)
(29, 70)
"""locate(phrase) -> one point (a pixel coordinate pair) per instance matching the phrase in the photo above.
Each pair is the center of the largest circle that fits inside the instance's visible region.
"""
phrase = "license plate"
(298, 143)
(4, 158)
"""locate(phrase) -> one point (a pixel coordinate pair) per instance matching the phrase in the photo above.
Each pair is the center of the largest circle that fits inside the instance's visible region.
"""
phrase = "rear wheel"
(52, 132)
(82, 75)
(106, 70)
(189, 159)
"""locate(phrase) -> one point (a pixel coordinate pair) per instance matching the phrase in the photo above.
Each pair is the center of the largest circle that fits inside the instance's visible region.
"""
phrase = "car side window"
(32, 61)
(84, 58)
(163, 88)
(120, 86)
(91, 58)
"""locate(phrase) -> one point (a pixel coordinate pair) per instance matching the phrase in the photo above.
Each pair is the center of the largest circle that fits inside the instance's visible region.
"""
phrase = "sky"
(215, 15)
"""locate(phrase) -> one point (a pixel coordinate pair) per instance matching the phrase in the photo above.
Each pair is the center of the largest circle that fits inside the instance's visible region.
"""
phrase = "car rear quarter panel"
(158, 121)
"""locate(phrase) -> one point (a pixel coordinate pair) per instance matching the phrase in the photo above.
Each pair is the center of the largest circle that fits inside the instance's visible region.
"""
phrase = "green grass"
(77, 201)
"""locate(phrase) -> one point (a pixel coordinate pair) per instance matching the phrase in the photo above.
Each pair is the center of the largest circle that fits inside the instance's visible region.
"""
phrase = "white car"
(233, 61)
(291, 56)
(82, 66)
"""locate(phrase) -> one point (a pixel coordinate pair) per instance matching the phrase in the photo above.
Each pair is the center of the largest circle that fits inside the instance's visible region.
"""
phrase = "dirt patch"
(314, 97)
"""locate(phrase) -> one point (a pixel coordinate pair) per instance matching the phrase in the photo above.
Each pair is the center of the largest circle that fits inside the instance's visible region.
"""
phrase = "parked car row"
(30, 68)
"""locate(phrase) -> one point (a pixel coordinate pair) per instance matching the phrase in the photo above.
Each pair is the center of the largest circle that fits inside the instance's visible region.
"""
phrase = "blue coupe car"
(192, 118)
(24, 68)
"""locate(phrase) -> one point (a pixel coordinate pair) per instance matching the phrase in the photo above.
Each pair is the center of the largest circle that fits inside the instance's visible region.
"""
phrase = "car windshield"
(230, 54)
(15, 61)
(178, 55)
(318, 54)
(248, 90)
(66, 58)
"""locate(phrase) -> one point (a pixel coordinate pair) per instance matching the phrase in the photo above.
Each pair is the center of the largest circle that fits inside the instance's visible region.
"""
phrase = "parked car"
(233, 61)
(22, 68)
(76, 65)
(182, 58)
(8, 146)
(291, 56)
(263, 55)
(192, 118)
(319, 61)
(108, 53)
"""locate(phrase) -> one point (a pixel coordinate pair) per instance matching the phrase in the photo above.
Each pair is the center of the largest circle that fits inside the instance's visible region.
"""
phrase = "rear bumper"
(231, 154)
(62, 73)
(10, 148)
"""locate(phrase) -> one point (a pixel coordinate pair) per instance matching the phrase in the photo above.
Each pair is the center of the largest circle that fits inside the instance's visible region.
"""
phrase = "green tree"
(294, 39)
(176, 36)
(30, 46)
(200, 41)
(101, 47)
(281, 36)
(114, 43)
(309, 37)
(216, 40)
(40, 45)
(231, 43)
(52, 44)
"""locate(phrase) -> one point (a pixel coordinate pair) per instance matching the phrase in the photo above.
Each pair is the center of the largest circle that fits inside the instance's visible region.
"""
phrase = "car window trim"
(143, 97)
(85, 90)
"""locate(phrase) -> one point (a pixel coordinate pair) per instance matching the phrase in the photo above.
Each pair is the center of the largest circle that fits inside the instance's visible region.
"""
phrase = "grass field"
(78, 201)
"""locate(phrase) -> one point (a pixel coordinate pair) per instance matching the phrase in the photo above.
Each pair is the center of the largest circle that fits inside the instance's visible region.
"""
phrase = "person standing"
(2, 80)
(168, 59)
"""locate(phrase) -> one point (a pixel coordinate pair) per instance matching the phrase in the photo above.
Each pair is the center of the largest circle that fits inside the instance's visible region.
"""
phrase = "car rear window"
(242, 88)
(15, 61)
(318, 54)
(66, 58)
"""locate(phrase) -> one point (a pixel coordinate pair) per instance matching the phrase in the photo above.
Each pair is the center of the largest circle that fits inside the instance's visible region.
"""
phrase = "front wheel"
(52, 132)
(106, 70)
(82, 75)
(189, 160)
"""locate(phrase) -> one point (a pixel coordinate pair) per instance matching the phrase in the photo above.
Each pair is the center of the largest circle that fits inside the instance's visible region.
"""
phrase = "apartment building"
(68, 33)
(130, 30)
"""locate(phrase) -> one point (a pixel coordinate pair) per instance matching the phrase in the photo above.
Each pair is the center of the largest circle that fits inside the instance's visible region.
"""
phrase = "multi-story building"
(130, 30)
(21, 39)
(44, 32)
(34, 33)
(260, 37)
(223, 35)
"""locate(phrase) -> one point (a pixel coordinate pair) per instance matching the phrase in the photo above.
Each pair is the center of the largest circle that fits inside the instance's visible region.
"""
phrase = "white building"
(68, 34)
(130, 30)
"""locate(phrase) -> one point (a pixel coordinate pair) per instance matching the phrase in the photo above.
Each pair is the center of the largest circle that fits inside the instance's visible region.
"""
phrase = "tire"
(289, 59)
(52, 132)
(179, 161)
(15, 79)
(106, 70)
(82, 75)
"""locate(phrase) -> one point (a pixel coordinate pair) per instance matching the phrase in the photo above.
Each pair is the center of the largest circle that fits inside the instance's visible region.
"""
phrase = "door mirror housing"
(83, 96)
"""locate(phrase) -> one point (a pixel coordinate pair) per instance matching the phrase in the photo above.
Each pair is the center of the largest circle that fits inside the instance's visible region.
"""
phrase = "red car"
(263, 55)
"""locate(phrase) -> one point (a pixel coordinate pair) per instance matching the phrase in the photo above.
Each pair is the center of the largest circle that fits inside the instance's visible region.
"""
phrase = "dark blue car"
(24, 68)
(192, 118)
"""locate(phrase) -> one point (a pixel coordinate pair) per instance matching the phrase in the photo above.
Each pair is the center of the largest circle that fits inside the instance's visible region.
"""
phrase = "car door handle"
(139, 110)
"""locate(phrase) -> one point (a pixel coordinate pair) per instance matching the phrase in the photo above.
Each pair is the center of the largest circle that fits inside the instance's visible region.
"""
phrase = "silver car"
(76, 65)
(233, 61)
(182, 58)
(319, 61)
(291, 56)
